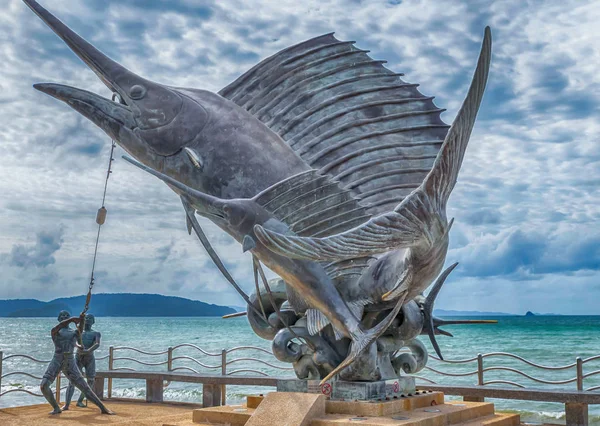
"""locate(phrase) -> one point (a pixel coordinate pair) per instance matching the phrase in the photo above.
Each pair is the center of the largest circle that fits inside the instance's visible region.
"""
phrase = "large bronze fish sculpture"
(326, 166)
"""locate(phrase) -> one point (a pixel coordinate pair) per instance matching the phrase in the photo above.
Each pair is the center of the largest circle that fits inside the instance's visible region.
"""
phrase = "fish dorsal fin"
(347, 115)
(313, 204)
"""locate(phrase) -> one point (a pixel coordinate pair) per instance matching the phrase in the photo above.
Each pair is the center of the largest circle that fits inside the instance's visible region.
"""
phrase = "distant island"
(450, 313)
(156, 305)
(115, 305)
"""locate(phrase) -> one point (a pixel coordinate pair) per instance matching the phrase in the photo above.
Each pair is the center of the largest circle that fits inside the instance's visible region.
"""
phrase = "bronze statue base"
(340, 390)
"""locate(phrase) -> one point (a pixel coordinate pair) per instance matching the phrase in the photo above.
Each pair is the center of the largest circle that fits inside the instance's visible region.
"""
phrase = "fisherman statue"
(85, 359)
(65, 340)
(328, 168)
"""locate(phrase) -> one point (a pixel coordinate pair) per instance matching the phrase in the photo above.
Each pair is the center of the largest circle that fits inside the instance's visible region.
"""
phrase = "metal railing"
(174, 359)
(57, 390)
(481, 369)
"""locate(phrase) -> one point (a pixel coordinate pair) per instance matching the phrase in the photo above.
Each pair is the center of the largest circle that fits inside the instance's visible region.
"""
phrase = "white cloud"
(532, 169)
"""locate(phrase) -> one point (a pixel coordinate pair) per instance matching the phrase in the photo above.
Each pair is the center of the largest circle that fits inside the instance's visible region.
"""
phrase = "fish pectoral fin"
(194, 158)
(189, 224)
(401, 286)
(248, 243)
(315, 321)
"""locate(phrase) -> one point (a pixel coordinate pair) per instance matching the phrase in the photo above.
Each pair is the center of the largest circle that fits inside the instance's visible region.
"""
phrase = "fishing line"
(100, 219)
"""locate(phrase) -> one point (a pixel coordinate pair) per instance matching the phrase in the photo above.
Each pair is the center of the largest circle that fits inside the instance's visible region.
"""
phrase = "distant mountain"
(445, 313)
(238, 308)
(115, 305)
(8, 306)
(50, 309)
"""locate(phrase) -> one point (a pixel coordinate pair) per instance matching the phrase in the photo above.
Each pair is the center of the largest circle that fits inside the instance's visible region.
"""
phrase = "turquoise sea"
(547, 340)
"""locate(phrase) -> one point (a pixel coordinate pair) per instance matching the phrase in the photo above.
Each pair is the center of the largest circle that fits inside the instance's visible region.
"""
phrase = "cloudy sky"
(527, 204)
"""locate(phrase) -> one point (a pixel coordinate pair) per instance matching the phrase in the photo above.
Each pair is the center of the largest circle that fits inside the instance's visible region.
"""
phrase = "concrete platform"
(411, 412)
(424, 409)
(128, 413)
(385, 407)
(233, 415)
(288, 409)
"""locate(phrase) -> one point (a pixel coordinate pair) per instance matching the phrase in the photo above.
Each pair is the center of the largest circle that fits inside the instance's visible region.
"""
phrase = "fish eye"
(137, 92)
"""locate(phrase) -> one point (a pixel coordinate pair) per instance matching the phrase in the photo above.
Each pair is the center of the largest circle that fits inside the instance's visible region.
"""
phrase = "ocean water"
(546, 340)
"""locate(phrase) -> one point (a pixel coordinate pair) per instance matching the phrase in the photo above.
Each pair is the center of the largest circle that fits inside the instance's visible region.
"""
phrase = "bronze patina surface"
(326, 166)
(85, 359)
(65, 341)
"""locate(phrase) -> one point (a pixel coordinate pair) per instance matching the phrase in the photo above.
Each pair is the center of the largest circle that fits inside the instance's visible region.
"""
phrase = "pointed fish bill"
(115, 119)
(105, 68)
(416, 220)
(104, 113)
(102, 65)
(153, 107)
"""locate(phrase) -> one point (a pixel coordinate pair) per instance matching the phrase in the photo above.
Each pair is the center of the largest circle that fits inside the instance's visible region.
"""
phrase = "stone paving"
(127, 413)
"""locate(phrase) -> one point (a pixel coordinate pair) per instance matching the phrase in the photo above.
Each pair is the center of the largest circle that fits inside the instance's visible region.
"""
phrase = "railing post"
(210, 395)
(480, 370)
(579, 374)
(58, 387)
(576, 414)
(170, 359)
(111, 356)
(1, 356)
(224, 373)
(98, 387)
(479, 380)
(154, 390)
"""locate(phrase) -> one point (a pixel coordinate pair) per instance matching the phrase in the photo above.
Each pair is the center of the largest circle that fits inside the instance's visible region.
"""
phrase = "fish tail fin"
(361, 340)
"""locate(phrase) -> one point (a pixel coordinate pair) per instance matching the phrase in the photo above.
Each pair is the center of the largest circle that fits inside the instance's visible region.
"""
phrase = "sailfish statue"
(328, 168)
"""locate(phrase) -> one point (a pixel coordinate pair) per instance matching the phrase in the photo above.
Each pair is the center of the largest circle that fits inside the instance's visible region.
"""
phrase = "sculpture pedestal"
(344, 391)
(423, 408)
